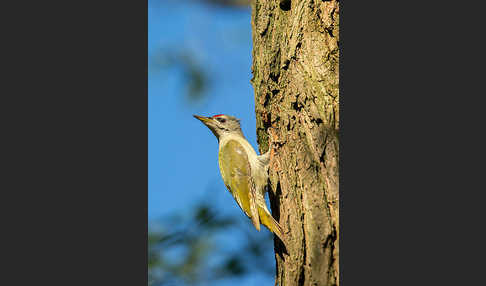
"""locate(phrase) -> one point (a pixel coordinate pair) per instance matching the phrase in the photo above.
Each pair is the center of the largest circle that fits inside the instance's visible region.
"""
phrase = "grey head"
(221, 124)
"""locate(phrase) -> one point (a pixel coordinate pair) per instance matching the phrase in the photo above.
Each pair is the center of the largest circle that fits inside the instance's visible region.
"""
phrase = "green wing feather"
(236, 172)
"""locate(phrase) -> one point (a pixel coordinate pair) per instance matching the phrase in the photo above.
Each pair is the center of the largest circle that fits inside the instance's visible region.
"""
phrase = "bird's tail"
(267, 220)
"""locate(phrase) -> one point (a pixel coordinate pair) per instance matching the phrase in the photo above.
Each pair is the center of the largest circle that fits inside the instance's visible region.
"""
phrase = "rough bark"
(296, 83)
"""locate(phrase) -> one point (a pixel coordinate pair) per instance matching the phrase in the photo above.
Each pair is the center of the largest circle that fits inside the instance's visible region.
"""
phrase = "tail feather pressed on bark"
(267, 220)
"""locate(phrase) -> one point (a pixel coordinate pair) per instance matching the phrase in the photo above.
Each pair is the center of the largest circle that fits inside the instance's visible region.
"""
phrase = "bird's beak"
(203, 118)
(209, 122)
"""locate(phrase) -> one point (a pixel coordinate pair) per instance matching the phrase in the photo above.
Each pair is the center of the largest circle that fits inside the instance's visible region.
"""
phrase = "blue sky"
(183, 166)
(182, 151)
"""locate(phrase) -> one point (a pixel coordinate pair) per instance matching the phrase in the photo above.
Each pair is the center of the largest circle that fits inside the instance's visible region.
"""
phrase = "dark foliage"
(184, 251)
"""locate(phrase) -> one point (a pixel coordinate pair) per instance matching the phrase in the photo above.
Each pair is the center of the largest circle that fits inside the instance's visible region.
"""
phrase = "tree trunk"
(296, 82)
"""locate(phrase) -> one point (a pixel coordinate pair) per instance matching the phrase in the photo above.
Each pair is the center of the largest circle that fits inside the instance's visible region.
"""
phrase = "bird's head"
(221, 124)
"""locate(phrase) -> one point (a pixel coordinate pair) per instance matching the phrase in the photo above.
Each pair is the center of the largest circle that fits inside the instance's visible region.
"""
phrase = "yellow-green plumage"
(236, 172)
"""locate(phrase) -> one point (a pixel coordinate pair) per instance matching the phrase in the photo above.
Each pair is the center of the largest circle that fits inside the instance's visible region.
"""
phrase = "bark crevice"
(295, 79)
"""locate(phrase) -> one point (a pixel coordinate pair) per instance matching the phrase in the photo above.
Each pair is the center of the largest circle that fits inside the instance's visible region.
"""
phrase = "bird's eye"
(222, 120)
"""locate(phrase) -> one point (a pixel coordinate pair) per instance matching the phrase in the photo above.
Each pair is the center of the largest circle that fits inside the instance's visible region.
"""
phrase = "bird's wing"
(236, 171)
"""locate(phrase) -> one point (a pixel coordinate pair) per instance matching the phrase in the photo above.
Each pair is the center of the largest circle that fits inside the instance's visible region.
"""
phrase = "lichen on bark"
(296, 84)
